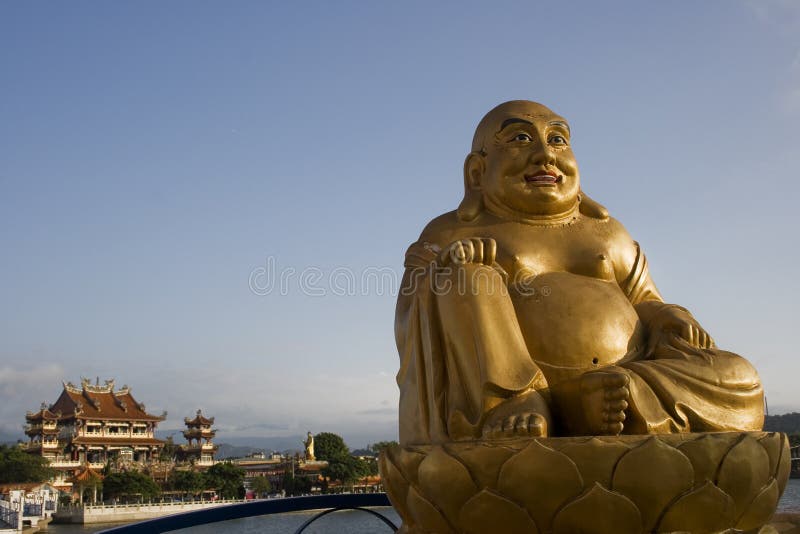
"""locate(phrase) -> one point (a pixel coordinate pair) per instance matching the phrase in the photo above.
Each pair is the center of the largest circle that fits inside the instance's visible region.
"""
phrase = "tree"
(330, 447)
(227, 479)
(128, 484)
(168, 451)
(189, 482)
(295, 485)
(341, 465)
(260, 486)
(379, 446)
(17, 465)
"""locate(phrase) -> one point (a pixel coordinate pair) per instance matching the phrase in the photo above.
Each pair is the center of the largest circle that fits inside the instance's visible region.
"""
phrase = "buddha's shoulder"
(441, 227)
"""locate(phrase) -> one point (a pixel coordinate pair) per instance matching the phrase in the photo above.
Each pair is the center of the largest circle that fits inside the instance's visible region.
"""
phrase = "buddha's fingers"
(477, 247)
(489, 251)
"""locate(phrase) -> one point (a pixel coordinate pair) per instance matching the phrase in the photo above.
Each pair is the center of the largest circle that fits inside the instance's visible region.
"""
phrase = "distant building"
(93, 425)
(200, 449)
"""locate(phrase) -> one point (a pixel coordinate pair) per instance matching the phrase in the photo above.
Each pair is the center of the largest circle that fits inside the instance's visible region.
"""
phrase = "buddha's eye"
(522, 137)
(558, 140)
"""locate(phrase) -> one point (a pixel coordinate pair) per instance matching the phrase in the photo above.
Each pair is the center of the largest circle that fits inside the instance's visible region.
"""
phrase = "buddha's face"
(527, 166)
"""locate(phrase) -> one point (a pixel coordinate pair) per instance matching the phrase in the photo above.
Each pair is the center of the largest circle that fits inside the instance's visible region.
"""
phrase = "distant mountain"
(788, 423)
(226, 450)
(7, 438)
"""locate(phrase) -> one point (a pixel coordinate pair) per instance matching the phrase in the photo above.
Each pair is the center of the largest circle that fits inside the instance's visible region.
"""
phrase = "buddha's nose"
(543, 155)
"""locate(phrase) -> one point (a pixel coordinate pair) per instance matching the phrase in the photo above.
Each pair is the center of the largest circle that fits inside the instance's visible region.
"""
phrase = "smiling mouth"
(543, 178)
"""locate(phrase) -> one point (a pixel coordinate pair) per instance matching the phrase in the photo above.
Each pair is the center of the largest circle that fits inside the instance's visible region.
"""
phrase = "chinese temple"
(200, 450)
(92, 425)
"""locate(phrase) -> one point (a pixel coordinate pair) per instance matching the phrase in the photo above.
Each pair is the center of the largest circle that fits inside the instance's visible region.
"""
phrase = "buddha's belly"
(573, 324)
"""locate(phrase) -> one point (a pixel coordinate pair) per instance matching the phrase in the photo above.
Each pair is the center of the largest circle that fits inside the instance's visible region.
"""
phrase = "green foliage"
(330, 447)
(187, 481)
(227, 479)
(341, 465)
(260, 486)
(168, 451)
(130, 484)
(295, 485)
(17, 465)
(369, 466)
(379, 446)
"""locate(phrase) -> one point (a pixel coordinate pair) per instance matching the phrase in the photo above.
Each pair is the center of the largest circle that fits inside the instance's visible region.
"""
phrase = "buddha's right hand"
(471, 250)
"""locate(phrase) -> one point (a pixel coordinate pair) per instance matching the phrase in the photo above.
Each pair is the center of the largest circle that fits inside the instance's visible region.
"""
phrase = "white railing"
(65, 463)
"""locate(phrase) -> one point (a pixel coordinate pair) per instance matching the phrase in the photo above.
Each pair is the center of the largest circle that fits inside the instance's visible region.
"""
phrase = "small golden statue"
(309, 446)
(529, 313)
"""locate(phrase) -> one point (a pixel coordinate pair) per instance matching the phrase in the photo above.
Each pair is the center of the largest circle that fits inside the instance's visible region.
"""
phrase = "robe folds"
(463, 354)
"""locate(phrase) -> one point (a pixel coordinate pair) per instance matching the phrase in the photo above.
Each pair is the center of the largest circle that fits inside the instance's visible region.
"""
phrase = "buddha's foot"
(604, 396)
(524, 415)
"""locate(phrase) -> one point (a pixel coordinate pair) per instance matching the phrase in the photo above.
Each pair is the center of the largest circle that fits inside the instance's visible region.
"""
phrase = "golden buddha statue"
(529, 311)
(545, 386)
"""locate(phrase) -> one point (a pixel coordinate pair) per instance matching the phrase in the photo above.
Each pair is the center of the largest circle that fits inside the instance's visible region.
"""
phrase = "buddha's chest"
(558, 251)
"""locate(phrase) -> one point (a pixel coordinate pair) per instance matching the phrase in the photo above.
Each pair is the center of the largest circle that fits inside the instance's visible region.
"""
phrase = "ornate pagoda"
(200, 450)
(93, 425)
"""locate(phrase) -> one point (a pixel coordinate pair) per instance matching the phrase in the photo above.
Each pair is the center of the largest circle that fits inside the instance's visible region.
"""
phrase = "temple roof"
(100, 402)
(199, 420)
(199, 433)
(86, 474)
(44, 414)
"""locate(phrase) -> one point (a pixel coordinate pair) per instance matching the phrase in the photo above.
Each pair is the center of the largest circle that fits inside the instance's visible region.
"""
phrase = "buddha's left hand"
(674, 320)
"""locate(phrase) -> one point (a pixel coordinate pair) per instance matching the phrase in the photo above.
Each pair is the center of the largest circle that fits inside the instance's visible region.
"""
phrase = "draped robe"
(460, 355)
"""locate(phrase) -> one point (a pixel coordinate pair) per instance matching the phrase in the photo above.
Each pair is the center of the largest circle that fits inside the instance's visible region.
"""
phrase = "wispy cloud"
(378, 411)
(22, 389)
(782, 17)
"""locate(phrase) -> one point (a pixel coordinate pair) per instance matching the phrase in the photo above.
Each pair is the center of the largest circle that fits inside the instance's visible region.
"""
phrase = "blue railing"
(327, 503)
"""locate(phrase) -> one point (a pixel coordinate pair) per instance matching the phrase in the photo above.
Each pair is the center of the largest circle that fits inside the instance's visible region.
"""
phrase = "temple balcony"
(63, 463)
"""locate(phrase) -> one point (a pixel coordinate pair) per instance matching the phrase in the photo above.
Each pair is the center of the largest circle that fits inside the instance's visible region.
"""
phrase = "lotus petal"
(396, 485)
(598, 511)
(772, 443)
(706, 509)
(761, 509)
(426, 515)
(706, 453)
(407, 461)
(595, 459)
(446, 482)
(540, 479)
(652, 475)
(784, 464)
(744, 471)
(489, 512)
(483, 462)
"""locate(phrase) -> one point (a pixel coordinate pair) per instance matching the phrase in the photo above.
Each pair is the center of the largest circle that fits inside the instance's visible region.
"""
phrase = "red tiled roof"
(25, 486)
(199, 420)
(85, 474)
(43, 414)
(101, 404)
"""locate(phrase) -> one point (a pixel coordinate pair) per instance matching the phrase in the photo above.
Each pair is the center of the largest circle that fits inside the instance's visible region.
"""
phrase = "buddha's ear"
(590, 208)
(472, 205)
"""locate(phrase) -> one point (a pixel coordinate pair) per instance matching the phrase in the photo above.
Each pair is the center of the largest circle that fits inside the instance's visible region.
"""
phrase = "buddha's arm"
(661, 319)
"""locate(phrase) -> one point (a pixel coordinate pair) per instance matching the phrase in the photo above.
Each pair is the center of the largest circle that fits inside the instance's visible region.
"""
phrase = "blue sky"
(154, 155)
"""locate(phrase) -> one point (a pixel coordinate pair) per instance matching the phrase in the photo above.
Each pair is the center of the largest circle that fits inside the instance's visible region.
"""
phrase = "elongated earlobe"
(472, 204)
(591, 208)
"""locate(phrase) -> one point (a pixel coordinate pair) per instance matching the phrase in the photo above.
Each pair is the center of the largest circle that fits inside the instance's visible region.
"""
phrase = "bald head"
(508, 113)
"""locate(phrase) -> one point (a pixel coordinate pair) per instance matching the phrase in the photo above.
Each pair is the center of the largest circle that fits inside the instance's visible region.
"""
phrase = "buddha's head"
(521, 164)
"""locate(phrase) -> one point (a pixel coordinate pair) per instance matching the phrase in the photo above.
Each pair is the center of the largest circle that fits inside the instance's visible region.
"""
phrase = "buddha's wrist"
(651, 310)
